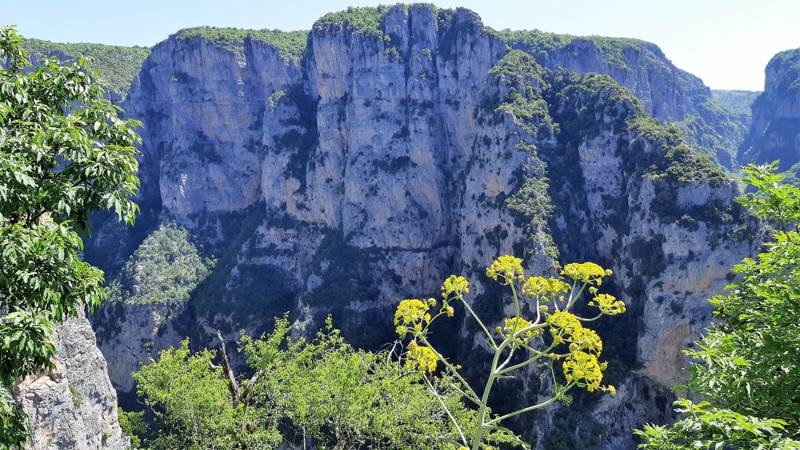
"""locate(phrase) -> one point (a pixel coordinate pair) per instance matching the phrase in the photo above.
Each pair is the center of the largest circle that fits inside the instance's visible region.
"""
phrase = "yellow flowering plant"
(544, 332)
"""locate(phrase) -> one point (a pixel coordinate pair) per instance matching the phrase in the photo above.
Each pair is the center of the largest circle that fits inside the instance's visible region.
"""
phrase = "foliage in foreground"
(328, 393)
(64, 153)
(321, 391)
(747, 366)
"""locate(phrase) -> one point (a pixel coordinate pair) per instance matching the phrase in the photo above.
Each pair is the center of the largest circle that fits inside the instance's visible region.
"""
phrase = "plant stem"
(473, 396)
(532, 407)
(447, 410)
(480, 323)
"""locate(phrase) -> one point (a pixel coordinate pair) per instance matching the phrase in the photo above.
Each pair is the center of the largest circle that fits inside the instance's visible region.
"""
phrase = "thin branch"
(447, 410)
(233, 386)
(480, 323)
(543, 404)
(452, 369)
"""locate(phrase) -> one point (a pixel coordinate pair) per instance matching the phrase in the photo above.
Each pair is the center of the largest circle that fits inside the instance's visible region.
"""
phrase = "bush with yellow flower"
(544, 332)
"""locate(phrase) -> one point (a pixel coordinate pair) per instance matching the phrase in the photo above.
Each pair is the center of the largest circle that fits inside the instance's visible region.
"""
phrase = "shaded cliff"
(405, 144)
(775, 130)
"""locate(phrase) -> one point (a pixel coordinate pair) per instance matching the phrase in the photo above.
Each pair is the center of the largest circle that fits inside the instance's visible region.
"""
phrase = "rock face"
(666, 92)
(74, 406)
(775, 130)
(387, 158)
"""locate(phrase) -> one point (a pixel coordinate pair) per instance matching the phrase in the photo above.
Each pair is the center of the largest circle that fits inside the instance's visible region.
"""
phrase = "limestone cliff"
(666, 92)
(408, 145)
(74, 405)
(775, 130)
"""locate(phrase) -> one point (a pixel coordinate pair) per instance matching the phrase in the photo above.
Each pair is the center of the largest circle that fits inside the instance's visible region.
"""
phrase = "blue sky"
(727, 43)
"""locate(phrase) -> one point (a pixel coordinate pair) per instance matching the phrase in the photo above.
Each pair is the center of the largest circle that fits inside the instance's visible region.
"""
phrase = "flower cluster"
(412, 314)
(608, 304)
(505, 269)
(420, 358)
(583, 369)
(542, 288)
(563, 323)
(514, 325)
(587, 272)
(455, 286)
(587, 340)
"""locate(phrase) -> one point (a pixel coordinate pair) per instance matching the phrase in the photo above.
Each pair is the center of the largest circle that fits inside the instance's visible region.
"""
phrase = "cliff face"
(396, 152)
(666, 92)
(775, 130)
(73, 406)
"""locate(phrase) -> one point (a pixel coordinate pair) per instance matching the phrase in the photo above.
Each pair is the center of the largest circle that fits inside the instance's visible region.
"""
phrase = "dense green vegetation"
(321, 392)
(290, 43)
(746, 366)
(165, 269)
(117, 65)
(325, 393)
(543, 45)
(64, 154)
(365, 19)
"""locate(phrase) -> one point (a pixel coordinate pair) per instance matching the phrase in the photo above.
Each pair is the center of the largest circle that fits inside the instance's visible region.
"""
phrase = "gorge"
(337, 171)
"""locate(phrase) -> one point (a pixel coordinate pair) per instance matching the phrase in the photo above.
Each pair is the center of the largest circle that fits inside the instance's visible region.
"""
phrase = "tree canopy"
(64, 153)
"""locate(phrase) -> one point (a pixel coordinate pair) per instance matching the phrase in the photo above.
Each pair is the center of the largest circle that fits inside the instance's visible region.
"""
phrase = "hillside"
(117, 65)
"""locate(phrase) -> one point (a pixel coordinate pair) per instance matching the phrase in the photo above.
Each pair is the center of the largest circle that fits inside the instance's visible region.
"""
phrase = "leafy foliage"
(321, 391)
(64, 153)
(707, 427)
(746, 365)
(290, 43)
(164, 269)
(116, 65)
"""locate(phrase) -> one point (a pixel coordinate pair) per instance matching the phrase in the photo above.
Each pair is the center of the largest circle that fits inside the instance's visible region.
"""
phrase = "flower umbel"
(505, 269)
(514, 325)
(562, 322)
(608, 304)
(411, 314)
(586, 340)
(420, 358)
(583, 369)
(455, 286)
(540, 287)
(587, 272)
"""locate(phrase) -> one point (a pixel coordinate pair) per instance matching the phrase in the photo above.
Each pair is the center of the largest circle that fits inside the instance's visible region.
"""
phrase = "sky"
(727, 43)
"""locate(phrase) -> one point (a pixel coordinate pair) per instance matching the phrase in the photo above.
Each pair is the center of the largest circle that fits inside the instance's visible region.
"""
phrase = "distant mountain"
(666, 92)
(737, 101)
(117, 65)
(775, 130)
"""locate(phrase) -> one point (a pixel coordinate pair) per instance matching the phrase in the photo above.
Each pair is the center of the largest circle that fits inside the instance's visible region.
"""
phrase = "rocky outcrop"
(412, 146)
(775, 130)
(74, 405)
(666, 92)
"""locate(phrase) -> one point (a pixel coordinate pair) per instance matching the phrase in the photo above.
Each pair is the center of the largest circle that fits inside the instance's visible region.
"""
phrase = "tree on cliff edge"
(64, 153)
